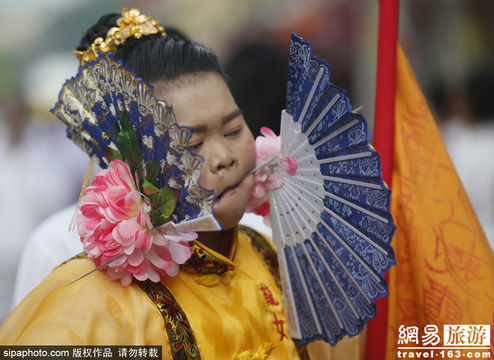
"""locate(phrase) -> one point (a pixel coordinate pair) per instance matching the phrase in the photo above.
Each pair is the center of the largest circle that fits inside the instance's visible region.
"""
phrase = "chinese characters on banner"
(458, 342)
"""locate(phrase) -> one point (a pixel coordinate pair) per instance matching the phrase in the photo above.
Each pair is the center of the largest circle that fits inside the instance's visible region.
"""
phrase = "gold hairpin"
(131, 24)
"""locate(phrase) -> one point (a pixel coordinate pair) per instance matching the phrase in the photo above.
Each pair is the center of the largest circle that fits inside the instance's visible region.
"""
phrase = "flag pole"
(384, 114)
(384, 117)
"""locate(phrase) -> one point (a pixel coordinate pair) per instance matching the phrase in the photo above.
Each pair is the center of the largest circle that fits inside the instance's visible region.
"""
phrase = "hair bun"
(152, 52)
(100, 29)
(175, 34)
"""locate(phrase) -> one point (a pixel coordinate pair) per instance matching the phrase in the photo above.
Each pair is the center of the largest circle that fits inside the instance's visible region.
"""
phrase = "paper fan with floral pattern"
(328, 207)
(92, 104)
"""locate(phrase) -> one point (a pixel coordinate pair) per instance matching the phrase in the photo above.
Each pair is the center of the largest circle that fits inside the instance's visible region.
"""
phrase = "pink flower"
(268, 147)
(114, 224)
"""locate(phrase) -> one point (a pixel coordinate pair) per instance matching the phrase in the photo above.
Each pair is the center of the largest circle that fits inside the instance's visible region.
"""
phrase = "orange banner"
(445, 266)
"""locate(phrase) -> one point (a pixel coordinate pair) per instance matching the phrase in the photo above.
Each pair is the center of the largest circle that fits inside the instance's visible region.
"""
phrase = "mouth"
(227, 191)
(230, 190)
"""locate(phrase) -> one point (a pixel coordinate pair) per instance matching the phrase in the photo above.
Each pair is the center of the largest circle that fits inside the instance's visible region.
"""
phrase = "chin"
(230, 209)
(229, 213)
(229, 221)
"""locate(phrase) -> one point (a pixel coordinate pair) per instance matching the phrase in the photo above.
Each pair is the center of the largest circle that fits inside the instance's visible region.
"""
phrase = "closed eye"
(235, 131)
(195, 145)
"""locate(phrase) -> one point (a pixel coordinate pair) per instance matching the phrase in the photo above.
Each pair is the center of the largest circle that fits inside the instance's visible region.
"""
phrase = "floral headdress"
(131, 24)
(136, 218)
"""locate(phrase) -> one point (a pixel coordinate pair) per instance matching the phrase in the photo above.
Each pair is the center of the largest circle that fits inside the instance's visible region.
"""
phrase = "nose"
(221, 158)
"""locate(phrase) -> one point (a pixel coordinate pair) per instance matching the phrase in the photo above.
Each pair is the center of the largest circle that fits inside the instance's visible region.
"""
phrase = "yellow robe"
(233, 305)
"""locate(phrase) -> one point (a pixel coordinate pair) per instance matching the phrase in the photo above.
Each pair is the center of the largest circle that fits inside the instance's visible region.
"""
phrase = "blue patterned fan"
(92, 104)
(330, 219)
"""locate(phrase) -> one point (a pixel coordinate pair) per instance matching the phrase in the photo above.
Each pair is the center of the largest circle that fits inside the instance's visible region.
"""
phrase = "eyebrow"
(224, 121)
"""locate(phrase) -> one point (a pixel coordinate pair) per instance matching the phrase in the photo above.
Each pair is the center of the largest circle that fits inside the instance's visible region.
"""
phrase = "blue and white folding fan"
(331, 221)
(92, 104)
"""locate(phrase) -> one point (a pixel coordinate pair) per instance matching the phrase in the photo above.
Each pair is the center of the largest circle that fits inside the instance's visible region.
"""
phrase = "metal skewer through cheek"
(215, 201)
(261, 166)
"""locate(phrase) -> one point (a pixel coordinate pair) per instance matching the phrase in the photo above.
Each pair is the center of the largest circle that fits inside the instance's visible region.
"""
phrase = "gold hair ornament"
(131, 24)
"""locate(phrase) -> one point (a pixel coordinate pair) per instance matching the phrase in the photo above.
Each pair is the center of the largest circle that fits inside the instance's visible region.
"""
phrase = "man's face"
(204, 102)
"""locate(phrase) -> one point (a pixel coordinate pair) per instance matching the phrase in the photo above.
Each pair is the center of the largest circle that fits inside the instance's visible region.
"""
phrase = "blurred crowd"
(449, 44)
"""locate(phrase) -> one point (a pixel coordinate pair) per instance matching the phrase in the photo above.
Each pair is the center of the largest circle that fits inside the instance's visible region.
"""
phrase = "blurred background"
(449, 43)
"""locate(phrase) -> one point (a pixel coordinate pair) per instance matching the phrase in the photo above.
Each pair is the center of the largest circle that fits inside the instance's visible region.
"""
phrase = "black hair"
(155, 57)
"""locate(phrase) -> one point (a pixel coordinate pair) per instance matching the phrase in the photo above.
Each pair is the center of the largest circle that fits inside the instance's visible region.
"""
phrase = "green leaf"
(149, 188)
(112, 154)
(129, 147)
(116, 128)
(152, 171)
(162, 206)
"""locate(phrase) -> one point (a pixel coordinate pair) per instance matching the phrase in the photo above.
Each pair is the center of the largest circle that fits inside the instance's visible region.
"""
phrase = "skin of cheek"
(202, 101)
(230, 210)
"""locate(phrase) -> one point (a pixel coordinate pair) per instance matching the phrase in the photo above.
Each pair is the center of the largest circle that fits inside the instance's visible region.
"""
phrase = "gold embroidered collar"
(207, 261)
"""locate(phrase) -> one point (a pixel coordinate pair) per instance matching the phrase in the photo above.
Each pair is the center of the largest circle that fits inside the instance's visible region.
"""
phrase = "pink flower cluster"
(114, 224)
(268, 147)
